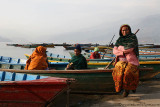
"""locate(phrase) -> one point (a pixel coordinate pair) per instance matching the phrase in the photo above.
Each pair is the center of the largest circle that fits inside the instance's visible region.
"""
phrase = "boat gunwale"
(44, 81)
(69, 71)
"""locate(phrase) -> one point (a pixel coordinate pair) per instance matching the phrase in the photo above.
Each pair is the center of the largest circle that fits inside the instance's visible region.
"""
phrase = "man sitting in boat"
(95, 54)
(38, 60)
(78, 61)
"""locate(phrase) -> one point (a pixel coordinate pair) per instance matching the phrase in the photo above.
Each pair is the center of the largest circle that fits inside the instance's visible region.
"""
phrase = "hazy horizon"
(77, 21)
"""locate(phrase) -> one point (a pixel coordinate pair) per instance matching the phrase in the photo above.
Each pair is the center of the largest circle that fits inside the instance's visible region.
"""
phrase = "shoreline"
(147, 95)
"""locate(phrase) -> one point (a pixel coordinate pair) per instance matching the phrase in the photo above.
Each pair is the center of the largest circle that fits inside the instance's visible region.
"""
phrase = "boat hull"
(30, 93)
(87, 81)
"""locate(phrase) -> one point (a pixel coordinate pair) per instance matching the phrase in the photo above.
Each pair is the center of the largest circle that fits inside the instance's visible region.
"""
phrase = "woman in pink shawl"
(126, 73)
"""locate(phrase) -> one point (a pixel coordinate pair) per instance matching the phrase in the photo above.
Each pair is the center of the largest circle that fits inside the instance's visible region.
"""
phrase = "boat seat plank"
(17, 67)
(38, 77)
(32, 77)
(6, 76)
(5, 66)
(41, 77)
(18, 61)
(20, 77)
(5, 59)
(13, 76)
(13, 60)
(2, 75)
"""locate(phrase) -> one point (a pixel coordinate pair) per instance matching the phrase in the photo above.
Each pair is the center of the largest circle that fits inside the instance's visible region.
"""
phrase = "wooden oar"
(108, 45)
(110, 63)
(115, 57)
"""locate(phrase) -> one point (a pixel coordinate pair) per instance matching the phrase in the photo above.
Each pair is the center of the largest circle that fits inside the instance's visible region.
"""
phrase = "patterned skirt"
(125, 76)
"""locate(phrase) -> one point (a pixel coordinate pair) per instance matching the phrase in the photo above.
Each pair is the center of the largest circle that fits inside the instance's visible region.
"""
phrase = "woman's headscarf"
(128, 41)
(40, 50)
(37, 61)
(96, 49)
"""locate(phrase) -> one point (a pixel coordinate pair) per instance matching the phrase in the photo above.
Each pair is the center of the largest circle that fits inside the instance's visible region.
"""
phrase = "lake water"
(18, 52)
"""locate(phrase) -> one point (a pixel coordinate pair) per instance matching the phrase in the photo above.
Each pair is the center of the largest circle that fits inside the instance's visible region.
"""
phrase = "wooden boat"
(20, 64)
(60, 58)
(49, 45)
(19, 90)
(52, 65)
(151, 49)
(149, 46)
(83, 46)
(11, 44)
(101, 48)
(141, 46)
(105, 57)
(89, 80)
(64, 44)
(14, 63)
(16, 45)
(149, 52)
(109, 55)
(73, 47)
(145, 57)
(56, 57)
(144, 62)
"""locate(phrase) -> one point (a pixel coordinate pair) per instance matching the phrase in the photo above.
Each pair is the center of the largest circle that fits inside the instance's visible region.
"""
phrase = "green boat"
(108, 57)
(89, 80)
(143, 64)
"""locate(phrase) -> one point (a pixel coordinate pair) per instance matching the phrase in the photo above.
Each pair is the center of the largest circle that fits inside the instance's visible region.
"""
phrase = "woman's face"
(125, 31)
(77, 52)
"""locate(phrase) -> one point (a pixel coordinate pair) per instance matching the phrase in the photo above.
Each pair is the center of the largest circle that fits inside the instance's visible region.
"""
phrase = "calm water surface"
(18, 52)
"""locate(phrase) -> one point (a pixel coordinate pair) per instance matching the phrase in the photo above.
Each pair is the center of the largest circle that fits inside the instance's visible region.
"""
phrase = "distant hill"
(2, 39)
(150, 31)
(103, 33)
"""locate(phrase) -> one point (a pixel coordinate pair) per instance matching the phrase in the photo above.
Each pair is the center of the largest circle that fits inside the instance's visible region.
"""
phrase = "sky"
(71, 20)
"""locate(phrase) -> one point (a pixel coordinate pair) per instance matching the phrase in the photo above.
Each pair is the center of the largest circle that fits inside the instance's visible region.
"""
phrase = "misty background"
(77, 21)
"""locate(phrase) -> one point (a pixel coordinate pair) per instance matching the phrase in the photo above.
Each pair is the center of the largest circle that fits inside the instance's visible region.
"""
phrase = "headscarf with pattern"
(128, 41)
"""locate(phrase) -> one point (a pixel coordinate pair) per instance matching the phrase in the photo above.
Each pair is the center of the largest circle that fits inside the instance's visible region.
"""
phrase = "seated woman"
(78, 61)
(126, 72)
(38, 60)
(95, 54)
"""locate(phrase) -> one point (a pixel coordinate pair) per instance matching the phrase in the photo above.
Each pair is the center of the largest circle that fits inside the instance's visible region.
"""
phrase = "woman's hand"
(69, 66)
(124, 52)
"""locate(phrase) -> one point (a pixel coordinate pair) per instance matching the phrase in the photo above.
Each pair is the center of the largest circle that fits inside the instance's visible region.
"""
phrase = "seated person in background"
(95, 54)
(38, 59)
(78, 61)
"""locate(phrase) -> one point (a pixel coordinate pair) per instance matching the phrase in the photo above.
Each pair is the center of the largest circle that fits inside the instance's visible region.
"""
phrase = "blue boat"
(14, 63)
